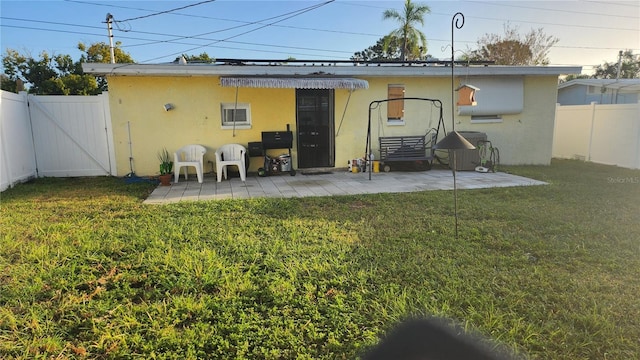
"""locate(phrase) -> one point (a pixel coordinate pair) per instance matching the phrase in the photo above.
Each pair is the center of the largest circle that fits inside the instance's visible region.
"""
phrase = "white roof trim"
(294, 82)
(311, 71)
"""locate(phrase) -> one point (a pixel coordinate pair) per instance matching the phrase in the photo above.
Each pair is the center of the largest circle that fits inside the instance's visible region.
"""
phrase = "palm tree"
(414, 42)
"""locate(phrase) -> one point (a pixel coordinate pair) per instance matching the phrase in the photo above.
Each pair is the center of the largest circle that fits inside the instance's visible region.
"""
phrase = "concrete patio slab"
(338, 182)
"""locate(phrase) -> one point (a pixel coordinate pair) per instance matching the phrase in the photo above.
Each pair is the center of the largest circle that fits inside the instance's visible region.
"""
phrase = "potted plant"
(166, 167)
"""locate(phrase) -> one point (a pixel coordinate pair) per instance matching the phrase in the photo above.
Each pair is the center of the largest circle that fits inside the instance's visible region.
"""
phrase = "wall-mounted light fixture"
(168, 107)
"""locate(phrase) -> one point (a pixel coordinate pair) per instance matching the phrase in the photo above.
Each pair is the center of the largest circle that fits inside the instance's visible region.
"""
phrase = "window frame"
(395, 107)
(228, 124)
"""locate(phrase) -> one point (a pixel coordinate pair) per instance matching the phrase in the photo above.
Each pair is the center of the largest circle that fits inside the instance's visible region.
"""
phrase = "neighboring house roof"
(326, 69)
(622, 85)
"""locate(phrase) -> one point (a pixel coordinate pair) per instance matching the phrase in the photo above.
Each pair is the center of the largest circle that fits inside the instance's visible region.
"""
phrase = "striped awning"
(294, 82)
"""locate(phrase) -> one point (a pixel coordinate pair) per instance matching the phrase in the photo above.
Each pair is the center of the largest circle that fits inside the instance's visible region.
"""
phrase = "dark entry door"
(315, 123)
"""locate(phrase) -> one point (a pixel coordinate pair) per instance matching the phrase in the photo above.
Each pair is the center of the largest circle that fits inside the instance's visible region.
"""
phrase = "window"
(240, 114)
(395, 109)
(498, 95)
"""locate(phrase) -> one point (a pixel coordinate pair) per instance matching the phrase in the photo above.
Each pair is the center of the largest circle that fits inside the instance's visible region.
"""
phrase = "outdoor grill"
(277, 140)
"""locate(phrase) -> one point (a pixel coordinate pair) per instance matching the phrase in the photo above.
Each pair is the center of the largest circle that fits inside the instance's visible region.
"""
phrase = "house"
(601, 91)
(325, 104)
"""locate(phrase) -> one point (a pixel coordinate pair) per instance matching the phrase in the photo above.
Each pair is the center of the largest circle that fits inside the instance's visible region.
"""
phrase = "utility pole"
(110, 29)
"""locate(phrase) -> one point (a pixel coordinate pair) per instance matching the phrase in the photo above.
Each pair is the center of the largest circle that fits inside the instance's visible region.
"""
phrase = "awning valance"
(293, 82)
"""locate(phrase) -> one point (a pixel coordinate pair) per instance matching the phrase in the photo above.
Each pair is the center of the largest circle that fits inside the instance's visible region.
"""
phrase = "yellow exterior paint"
(136, 102)
(196, 118)
(525, 138)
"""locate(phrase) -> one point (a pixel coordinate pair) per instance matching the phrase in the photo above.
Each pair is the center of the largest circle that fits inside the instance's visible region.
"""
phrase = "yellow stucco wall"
(137, 103)
(525, 138)
(419, 116)
(196, 119)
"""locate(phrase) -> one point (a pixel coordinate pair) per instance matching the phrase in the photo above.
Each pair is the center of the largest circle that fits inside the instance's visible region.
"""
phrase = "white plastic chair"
(189, 155)
(231, 154)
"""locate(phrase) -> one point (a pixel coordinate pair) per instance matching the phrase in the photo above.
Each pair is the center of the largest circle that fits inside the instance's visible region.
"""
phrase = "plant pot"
(165, 180)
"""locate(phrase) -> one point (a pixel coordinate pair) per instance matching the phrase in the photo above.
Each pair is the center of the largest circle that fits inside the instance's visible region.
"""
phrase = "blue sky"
(590, 32)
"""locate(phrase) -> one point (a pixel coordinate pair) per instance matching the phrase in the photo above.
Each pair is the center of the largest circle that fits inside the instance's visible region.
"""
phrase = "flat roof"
(327, 68)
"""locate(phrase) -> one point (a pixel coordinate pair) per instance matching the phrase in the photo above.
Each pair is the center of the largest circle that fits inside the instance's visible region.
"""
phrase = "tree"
(514, 49)
(386, 48)
(413, 41)
(57, 75)
(202, 58)
(629, 68)
(574, 77)
(101, 53)
(8, 85)
(42, 75)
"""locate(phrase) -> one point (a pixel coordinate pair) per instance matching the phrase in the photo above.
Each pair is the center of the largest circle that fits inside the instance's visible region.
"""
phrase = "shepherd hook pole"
(458, 22)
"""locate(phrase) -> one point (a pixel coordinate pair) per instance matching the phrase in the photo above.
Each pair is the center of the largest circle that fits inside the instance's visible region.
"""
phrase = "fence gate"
(72, 135)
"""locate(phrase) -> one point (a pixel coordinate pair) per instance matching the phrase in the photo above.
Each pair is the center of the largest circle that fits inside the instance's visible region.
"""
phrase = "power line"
(361, 33)
(232, 42)
(302, 11)
(195, 37)
(167, 11)
(260, 22)
(608, 3)
(289, 53)
(573, 11)
(555, 24)
(223, 19)
(218, 40)
(134, 38)
(273, 24)
(50, 22)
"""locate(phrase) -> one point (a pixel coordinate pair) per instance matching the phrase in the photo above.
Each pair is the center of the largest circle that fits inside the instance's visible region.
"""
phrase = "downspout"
(233, 117)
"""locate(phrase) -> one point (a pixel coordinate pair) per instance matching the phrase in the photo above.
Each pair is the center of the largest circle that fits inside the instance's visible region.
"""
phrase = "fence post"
(593, 120)
(104, 101)
(6, 169)
(637, 160)
(27, 99)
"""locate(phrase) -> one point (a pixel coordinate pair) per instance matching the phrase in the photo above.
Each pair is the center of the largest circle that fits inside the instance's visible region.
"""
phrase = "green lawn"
(88, 271)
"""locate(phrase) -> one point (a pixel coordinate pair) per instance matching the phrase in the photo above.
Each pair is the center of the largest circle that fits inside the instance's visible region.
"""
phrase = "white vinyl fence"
(16, 142)
(600, 133)
(57, 136)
